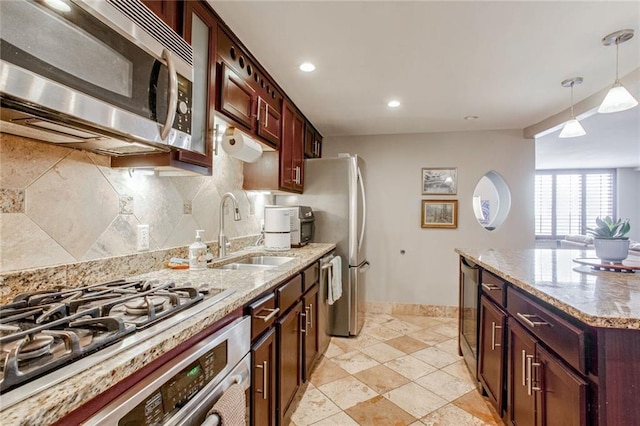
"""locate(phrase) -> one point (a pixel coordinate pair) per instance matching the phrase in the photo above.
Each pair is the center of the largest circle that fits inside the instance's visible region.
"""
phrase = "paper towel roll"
(241, 146)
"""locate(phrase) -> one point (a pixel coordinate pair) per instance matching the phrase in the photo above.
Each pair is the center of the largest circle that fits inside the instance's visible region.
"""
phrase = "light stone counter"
(597, 298)
(52, 404)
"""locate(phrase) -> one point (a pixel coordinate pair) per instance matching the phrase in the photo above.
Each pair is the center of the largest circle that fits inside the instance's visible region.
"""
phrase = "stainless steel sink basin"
(265, 260)
(257, 263)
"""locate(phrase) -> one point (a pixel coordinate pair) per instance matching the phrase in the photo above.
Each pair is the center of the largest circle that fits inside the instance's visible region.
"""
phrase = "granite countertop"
(52, 404)
(597, 298)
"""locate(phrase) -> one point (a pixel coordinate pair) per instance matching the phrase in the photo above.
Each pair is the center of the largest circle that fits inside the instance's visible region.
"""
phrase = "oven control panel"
(179, 389)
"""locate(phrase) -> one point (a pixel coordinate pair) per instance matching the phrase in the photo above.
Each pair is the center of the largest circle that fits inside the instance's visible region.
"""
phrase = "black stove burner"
(41, 331)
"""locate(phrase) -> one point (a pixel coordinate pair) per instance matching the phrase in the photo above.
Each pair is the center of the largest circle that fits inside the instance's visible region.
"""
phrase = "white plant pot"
(612, 250)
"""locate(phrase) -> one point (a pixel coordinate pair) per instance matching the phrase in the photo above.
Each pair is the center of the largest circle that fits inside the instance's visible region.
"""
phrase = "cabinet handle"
(494, 327)
(296, 171)
(526, 318)
(303, 320)
(265, 380)
(490, 287)
(311, 314)
(273, 313)
(524, 368)
(529, 362)
(306, 323)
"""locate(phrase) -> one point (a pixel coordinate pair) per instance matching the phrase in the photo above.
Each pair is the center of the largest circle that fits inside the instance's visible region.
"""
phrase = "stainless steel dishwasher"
(469, 314)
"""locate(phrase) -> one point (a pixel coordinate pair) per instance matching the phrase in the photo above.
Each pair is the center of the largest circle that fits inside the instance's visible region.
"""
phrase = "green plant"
(607, 228)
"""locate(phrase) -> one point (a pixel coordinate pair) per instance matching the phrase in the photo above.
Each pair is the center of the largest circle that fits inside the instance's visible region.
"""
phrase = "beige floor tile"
(445, 385)
(436, 357)
(347, 392)
(403, 327)
(406, 344)
(380, 411)
(422, 321)
(381, 378)
(382, 352)
(479, 407)
(340, 419)
(450, 346)
(378, 318)
(459, 369)
(361, 341)
(415, 399)
(355, 361)
(334, 349)
(451, 415)
(327, 371)
(382, 333)
(410, 367)
(447, 329)
(313, 407)
(429, 336)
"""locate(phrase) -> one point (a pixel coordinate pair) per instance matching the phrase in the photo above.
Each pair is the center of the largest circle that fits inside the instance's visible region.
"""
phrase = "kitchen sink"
(256, 263)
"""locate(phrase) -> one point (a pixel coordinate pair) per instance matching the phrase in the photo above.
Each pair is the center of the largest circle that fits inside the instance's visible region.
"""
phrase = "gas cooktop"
(46, 335)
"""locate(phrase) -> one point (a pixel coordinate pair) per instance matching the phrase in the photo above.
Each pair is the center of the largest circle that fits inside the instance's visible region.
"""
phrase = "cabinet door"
(269, 122)
(309, 140)
(562, 395)
(263, 385)
(236, 97)
(491, 351)
(290, 329)
(522, 349)
(201, 32)
(311, 343)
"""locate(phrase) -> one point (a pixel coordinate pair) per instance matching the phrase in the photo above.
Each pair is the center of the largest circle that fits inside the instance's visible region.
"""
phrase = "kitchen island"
(51, 404)
(556, 340)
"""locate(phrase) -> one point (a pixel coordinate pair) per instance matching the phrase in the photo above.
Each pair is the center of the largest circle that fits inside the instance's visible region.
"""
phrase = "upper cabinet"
(247, 96)
(170, 11)
(291, 151)
(312, 142)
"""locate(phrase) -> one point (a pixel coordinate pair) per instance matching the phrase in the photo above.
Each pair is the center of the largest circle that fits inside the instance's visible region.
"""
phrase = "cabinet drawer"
(493, 287)
(567, 340)
(263, 314)
(288, 293)
(310, 276)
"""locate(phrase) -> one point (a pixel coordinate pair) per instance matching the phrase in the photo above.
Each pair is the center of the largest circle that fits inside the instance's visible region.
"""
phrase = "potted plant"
(609, 239)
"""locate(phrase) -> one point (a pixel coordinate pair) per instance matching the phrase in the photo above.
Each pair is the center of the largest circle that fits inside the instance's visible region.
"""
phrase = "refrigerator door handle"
(364, 210)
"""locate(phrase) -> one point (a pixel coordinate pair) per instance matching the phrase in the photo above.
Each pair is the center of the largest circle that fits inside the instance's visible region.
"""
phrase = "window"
(568, 201)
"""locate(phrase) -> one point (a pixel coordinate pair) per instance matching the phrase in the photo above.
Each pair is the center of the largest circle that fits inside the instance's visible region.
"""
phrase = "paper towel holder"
(233, 136)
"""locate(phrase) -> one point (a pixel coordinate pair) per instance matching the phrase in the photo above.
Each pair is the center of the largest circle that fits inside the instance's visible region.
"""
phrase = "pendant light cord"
(572, 114)
(617, 47)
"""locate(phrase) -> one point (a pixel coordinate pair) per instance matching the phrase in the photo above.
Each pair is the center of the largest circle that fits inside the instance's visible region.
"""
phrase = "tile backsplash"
(60, 206)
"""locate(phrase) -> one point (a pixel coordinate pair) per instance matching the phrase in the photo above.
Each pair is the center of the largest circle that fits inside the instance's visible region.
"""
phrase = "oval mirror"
(491, 200)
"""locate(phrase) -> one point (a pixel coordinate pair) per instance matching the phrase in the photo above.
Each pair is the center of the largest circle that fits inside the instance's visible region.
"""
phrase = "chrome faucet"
(223, 242)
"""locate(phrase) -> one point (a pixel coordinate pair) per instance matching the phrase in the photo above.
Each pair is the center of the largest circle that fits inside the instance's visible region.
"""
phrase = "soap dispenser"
(198, 252)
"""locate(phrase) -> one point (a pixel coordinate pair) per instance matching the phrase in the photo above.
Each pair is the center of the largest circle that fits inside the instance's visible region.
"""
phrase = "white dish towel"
(334, 280)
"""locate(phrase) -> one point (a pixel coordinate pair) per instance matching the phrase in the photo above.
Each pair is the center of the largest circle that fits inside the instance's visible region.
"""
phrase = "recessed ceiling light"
(307, 67)
(58, 5)
(393, 104)
(471, 117)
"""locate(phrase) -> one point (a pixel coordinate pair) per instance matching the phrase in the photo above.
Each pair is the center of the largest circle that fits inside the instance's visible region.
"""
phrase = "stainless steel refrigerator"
(334, 188)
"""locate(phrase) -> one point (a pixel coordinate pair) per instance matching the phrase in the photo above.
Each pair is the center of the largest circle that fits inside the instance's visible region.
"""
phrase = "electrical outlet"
(143, 238)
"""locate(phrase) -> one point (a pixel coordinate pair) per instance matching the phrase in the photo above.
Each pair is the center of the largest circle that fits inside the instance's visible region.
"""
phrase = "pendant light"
(572, 128)
(618, 98)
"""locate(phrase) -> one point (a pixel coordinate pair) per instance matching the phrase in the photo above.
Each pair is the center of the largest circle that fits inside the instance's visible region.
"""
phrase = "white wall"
(428, 271)
(628, 191)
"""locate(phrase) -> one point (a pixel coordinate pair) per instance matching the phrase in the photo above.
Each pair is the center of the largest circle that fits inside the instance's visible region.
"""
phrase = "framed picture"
(439, 213)
(439, 181)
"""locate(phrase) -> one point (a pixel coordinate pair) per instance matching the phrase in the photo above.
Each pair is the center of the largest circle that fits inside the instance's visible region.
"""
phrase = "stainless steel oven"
(183, 390)
(469, 314)
(92, 74)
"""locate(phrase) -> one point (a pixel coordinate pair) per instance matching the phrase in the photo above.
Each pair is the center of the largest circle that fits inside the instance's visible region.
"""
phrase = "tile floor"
(401, 370)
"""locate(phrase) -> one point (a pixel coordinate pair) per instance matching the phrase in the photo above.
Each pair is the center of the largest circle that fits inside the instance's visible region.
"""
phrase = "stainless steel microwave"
(103, 75)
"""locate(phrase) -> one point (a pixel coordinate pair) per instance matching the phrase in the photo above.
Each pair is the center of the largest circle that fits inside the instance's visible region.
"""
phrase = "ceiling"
(502, 61)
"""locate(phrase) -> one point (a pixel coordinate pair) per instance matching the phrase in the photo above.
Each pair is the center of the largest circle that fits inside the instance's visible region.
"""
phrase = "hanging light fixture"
(572, 128)
(618, 98)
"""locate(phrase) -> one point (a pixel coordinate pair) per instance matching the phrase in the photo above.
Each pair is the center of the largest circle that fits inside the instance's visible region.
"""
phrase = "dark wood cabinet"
(542, 389)
(311, 336)
(263, 384)
(269, 123)
(291, 149)
(491, 351)
(290, 329)
(170, 11)
(236, 97)
(312, 142)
